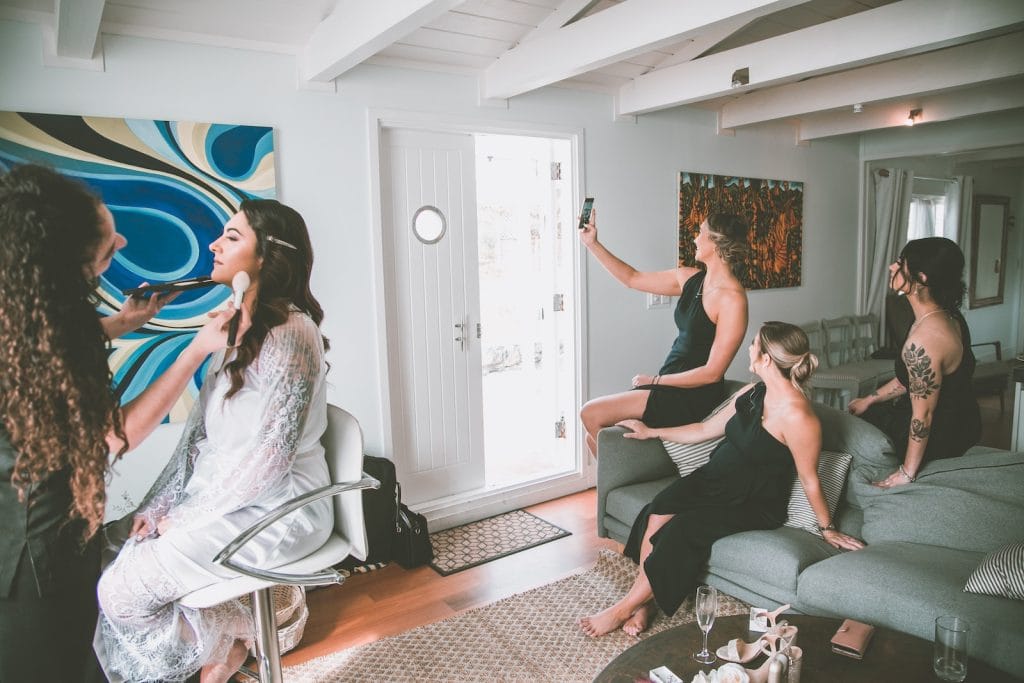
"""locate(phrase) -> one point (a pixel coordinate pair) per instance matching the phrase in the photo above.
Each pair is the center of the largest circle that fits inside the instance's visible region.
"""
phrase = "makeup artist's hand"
(213, 336)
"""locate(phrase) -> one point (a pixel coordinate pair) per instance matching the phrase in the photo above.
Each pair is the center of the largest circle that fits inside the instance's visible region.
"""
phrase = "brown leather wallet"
(852, 638)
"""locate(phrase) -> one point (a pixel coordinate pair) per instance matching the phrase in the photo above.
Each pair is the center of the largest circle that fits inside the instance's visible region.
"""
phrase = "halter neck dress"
(744, 486)
(956, 422)
(669, 406)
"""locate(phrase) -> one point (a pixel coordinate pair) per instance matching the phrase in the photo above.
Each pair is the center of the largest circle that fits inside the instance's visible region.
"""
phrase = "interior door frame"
(459, 509)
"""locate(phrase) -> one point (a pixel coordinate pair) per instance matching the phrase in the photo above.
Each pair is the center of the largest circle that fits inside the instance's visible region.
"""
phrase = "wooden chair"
(992, 377)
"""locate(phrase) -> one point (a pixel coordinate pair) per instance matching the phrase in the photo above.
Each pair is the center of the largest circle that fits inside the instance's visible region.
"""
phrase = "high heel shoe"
(771, 645)
(741, 652)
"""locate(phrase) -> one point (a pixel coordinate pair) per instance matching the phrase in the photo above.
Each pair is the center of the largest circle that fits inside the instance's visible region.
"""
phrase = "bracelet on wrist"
(907, 474)
(831, 526)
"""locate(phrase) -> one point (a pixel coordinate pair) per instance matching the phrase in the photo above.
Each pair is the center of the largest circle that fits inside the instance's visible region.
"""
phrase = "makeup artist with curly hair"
(59, 420)
(928, 409)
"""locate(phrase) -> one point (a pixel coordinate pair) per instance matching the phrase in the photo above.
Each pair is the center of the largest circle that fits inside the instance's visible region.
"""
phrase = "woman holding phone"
(711, 317)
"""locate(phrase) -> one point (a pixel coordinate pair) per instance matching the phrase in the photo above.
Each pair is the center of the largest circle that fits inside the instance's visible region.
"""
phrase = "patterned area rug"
(531, 636)
(471, 544)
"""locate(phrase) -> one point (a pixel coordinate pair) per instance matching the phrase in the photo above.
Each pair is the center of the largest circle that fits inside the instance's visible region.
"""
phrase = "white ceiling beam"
(358, 29)
(954, 67)
(945, 106)
(601, 39)
(899, 29)
(567, 12)
(77, 27)
(704, 42)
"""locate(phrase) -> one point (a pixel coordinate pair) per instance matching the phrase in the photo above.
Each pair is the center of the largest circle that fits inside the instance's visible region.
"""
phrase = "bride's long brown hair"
(282, 241)
(56, 403)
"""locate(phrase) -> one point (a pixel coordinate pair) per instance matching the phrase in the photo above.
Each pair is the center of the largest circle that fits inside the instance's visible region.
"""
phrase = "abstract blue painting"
(171, 186)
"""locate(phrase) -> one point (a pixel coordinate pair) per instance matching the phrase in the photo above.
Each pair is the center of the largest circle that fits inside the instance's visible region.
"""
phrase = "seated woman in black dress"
(928, 409)
(711, 316)
(770, 430)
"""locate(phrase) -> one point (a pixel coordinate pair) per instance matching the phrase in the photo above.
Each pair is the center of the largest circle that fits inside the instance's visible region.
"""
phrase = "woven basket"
(291, 612)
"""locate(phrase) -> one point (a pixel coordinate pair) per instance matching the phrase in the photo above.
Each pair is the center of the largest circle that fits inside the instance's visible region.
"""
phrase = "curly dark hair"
(941, 262)
(284, 278)
(55, 394)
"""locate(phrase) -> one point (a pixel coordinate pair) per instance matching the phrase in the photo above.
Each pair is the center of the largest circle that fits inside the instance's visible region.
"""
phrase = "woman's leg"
(633, 604)
(146, 633)
(605, 411)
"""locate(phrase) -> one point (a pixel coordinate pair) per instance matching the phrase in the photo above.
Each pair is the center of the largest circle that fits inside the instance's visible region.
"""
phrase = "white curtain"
(959, 210)
(887, 213)
(921, 222)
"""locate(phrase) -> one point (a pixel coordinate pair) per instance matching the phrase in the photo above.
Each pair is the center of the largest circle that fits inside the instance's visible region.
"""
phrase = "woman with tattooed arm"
(928, 409)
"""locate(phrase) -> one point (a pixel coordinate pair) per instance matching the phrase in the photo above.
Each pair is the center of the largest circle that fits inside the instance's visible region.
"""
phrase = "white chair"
(343, 444)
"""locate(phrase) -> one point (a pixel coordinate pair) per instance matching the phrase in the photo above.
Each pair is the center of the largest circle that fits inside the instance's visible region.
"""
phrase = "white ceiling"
(808, 62)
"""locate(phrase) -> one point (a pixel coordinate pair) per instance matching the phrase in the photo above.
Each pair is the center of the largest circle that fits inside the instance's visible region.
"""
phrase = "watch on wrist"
(831, 526)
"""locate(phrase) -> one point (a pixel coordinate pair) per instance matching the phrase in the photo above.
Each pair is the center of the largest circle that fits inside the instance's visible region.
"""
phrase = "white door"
(432, 304)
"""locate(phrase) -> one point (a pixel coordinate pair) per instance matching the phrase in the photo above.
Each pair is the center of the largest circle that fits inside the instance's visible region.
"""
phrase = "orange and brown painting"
(773, 208)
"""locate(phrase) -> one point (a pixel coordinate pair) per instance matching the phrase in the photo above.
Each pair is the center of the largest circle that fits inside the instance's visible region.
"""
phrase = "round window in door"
(429, 224)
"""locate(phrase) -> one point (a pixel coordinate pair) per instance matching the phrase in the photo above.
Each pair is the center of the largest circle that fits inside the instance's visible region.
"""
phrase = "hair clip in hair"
(271, 238)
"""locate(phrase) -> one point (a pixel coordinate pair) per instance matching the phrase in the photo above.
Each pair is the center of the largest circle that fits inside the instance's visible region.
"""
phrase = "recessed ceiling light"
(858, 108)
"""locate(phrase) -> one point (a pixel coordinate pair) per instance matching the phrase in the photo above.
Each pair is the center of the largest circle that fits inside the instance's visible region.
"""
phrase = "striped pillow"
(832, 470)
(690, 456)
(1001, 573)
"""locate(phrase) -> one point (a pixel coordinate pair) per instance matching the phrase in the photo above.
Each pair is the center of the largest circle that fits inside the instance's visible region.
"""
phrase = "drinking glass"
(706, 605)
(950, 660)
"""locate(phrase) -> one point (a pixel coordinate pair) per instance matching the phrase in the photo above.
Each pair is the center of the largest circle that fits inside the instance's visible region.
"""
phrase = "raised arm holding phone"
(711, 317)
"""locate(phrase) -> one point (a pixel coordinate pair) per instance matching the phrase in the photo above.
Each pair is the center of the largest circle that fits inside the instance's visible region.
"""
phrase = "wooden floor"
(368, 607)
(392, 600)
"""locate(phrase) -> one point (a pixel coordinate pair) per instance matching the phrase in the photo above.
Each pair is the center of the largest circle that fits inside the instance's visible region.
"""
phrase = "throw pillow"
(832, 470)
(1001, 573)
(689, 456)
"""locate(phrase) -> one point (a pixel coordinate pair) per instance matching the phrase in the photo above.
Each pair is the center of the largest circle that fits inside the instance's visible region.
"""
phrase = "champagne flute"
(705, 606)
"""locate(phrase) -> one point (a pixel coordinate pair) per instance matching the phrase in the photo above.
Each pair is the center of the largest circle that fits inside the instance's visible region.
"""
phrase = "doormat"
(472, 544)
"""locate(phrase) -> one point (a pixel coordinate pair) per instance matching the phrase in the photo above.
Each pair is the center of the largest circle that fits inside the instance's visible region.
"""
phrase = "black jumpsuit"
(745, 485)
(669, 406)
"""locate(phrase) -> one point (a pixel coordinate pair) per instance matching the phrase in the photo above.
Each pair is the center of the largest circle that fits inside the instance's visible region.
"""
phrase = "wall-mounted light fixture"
(858, 108)
(913, 116)
(740, 77)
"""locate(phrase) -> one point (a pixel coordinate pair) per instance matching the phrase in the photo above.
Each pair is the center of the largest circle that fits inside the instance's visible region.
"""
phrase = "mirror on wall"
(988, 250)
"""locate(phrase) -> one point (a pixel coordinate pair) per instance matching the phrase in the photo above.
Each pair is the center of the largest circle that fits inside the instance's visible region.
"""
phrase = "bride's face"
(235, 251)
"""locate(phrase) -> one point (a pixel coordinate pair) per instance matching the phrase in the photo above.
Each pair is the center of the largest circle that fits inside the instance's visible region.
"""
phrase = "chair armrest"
(327, 576)
(623, 461)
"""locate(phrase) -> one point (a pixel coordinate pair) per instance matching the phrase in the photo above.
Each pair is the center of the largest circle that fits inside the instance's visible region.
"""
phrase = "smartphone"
(588, 204)
(175, 286)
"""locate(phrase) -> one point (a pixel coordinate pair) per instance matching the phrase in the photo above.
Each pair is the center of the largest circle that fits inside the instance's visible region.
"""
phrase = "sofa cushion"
(775, 556)
(969, 503)
(1001, 573)
(871, 449)
(689, 456)
(832, 470)
(905, 586)
(626, 502)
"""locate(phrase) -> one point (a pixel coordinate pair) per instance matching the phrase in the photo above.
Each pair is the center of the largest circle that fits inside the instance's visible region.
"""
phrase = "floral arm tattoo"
(919, 431)
(923, 382)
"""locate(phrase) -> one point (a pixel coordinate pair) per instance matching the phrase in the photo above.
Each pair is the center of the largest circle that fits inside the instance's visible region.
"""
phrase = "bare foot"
(603, 622)
(221, 672)
(640, 620)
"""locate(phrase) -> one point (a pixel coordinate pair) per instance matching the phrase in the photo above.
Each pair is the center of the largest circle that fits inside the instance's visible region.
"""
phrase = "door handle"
(461, 337)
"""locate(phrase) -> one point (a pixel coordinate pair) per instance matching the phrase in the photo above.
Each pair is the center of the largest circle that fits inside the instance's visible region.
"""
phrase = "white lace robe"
(237, 459)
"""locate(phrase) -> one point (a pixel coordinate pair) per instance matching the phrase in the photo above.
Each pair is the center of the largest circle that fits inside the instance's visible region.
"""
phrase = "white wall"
(323, 156)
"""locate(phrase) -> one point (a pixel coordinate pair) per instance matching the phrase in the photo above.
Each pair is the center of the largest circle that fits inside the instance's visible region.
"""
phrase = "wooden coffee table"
(891, 656)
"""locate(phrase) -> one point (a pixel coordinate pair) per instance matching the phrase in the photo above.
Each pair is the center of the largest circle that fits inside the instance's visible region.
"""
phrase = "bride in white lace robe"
(238, 458)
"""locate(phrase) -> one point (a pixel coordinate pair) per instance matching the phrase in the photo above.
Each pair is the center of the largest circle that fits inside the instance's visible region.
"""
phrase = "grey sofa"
(924, 539)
